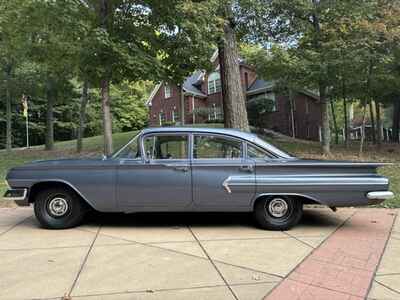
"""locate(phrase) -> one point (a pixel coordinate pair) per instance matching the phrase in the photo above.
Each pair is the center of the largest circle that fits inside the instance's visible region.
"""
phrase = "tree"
(82, 115)
(304, 26)
(10, 51)
(234, 102)
(142, 40)
(281, 66)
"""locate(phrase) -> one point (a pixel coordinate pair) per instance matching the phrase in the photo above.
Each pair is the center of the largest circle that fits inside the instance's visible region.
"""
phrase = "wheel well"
(304, 199)
(40, 186)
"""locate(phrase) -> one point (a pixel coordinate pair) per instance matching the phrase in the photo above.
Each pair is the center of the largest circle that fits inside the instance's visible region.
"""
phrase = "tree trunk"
(325, 128)
(379, 124)
(107, 119)
(396, 120)
(334, 122)
(324, 100)
(82, 115)
(104, 13)
(8, 111)
(346, 115)
(360, 153)
(50, 115)
(372, 116)
(292, 125)
(234, 102)
(182, 104)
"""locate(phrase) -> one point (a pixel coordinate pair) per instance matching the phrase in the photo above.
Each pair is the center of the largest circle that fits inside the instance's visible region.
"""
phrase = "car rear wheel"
(278, 212)
(59, 208)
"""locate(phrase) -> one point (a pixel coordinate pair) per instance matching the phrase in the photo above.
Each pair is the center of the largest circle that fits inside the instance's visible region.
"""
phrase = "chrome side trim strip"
(308, 181)
(225, 184)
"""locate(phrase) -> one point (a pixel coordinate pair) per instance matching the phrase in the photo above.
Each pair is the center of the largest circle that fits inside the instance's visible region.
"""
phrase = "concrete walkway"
(204, 256)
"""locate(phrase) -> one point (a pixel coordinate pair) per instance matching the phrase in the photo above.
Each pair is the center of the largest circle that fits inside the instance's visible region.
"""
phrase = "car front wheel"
(58, 208)
(278, 212)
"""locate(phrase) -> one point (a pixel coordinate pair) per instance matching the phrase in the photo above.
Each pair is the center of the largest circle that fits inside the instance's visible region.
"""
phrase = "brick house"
(203, 103)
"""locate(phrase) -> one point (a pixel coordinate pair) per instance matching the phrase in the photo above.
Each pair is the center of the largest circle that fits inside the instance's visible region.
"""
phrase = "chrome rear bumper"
(380, 195)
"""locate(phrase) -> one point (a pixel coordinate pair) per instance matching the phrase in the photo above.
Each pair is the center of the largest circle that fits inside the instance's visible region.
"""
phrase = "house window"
(175, 116)
(215, 113)
(268, 99)
(167, 91)
(214, 83)
(307, 107)
(212, 115)
(161, 118)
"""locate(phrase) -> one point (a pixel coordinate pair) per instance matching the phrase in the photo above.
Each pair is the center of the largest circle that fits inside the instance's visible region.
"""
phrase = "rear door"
(223, 178)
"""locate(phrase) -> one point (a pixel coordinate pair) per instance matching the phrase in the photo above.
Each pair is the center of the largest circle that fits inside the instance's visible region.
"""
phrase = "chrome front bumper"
(18, 195)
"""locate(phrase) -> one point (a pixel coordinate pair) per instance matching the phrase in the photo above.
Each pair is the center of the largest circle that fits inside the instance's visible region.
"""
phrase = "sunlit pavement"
(202, 256)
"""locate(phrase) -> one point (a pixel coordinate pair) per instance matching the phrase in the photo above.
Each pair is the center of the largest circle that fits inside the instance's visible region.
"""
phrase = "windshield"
(130, 151)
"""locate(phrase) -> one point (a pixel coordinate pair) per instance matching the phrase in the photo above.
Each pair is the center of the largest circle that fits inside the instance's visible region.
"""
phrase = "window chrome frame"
(243, 149)
(172, 133)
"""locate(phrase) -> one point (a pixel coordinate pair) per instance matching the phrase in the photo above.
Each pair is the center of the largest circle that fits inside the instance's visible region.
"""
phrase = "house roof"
(191, 83)
(261, 85)
(153, 93)
(190, 86)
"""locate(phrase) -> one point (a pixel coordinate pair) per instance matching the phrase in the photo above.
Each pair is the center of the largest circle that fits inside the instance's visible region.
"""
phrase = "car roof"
(232, 132)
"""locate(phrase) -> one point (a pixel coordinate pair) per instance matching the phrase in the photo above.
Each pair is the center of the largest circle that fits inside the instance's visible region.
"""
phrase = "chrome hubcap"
(277, 207)
(58, 207)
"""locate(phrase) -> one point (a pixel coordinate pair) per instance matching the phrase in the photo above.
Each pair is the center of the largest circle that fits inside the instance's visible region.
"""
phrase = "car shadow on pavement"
(311, 218)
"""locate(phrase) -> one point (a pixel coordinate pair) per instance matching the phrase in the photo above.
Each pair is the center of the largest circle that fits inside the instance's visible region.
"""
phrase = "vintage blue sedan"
(193, 169)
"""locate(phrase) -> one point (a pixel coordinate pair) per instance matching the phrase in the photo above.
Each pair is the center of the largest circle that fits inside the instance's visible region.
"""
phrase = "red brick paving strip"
(344, 265)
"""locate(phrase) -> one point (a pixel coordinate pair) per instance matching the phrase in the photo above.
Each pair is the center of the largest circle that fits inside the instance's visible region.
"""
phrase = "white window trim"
(167, 91)
(212, 84)
(160, 119)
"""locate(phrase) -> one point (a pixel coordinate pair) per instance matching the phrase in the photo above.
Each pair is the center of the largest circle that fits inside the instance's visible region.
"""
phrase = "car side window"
(256, 152)
(213, 146)
(166, 146)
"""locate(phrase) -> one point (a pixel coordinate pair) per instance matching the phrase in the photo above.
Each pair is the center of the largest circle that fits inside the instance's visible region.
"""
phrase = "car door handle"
(246, 168)
(181, 168)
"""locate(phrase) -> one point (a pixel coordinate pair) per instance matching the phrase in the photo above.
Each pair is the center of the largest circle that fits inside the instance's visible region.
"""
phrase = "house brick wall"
(162, 104)
(251, 76)
(280, 120)
(306, 123)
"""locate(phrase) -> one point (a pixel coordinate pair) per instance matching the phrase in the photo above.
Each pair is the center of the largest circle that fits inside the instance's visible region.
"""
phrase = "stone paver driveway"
(204, 256)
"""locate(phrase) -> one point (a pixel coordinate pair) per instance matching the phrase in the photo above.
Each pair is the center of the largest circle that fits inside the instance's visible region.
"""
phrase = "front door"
(223, 178)
(162, 179)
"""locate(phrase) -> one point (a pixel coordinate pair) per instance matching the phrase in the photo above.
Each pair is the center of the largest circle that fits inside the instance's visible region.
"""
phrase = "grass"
(93, 147)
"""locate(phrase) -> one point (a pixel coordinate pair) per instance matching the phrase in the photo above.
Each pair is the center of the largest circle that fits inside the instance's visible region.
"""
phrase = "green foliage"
(146, 40)
(257, 107)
